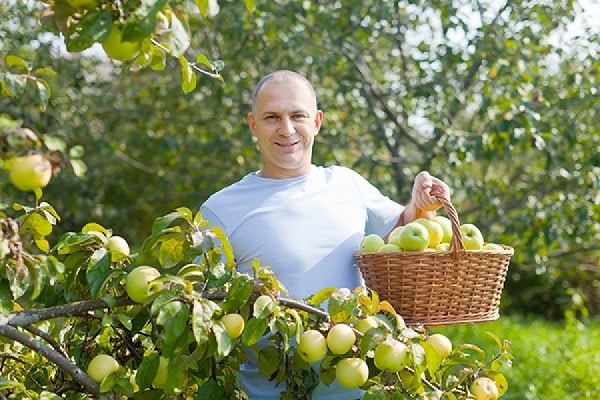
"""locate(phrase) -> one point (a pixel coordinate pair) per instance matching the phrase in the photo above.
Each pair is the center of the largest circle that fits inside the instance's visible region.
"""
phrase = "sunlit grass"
(552, 360)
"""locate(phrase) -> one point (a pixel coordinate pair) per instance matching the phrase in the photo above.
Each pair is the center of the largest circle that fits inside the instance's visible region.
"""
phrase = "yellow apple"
(435, 230)
(371, 243)
(116, 48)
(446, 225)
(492, 247)
(340, 338)
(30, 172)
(366, 323)
(351, 372)
(119, 248)
(484, 388)
(139, 284)
(162, 373)
(389, 248)
(101, 366)
(442, 246)
(391, 355)
(471, 236)
(234, 324)
(441, 344)
(312, 346)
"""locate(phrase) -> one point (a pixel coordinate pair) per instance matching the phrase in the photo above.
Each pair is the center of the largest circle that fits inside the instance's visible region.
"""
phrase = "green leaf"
(218, 276)
(45, 71)
(37, 225)
(93, 27)
(188, 75)
(250, 5)
(322, 295)
(14, 61)
(171, 251)
(238, 294)
(43, 92)
(179, 38)
(342, 304)
(147, 370)
(269, 360)
(211, 390)
(98, 271)
(224, 341)
(254, 330)
(162, 223)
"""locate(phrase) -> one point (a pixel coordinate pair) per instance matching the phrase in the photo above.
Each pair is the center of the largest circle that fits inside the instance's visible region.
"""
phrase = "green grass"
(552, 360)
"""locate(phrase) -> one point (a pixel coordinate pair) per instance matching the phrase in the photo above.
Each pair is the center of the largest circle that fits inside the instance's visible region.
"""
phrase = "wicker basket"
(439, 288)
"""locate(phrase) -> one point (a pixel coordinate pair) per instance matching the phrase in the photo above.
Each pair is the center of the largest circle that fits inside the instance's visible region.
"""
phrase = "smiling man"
(302, 220)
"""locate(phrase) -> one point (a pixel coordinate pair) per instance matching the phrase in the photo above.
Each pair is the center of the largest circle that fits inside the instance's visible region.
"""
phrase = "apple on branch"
(340, 338)
(312, 346)
(351, 372)
(139, 284)
(391, 355)
(31, 172)
(101, 366)
(484, 388)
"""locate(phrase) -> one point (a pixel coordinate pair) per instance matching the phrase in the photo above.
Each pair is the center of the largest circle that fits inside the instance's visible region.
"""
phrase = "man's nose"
(287, 126)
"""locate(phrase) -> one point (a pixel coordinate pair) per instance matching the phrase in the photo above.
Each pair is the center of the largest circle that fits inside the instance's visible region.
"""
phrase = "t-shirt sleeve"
(382, 212)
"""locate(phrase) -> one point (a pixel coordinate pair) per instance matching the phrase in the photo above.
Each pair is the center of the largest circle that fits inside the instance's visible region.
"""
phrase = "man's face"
(285, 121)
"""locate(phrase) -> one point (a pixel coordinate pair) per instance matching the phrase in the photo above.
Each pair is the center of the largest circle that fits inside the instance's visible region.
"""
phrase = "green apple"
(391, 355)
(441, 344)
(139, 284)
(484, 388)
(446, 227)
(234, 324)
(116, 48)
(393, 235)
(162, 373)
(435, 230)
(30, 172)
(351, 372)
(119, 248)
(312, 346)
(412, 237)
(371, 243)
(471, 236)
(492, 247)
(340, 338)
(366, 323)
(101, 366)
(442, 246)
(389, 248)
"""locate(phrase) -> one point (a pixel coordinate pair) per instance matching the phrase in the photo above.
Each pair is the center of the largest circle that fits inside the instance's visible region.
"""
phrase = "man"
(304, 221)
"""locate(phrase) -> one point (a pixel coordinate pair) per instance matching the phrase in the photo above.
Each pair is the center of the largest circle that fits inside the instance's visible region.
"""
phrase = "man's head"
(285, 120)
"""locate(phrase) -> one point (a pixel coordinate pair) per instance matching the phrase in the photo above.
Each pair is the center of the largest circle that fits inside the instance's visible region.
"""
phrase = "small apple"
(139, 285)
(446, 227)
(471, 236)
(162, 373)
(234, 324)
(340, 338)
(119, 248)
(492, 247)
(435, 230)
(351, 372)
(393, 235)
(412, 237)
(101, 366)
(484, 388)
(116, 48)
(389, 248)
(442, 246)
(312, 346)
(391, 355)
(30, 172)
(371, 243)
(366, 323)
(441, 344)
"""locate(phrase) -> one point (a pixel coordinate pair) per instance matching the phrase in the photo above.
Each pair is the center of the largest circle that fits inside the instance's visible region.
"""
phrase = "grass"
(552, 360)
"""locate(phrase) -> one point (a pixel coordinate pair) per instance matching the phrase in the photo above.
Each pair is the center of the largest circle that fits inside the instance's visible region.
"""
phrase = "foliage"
(73, 297)
(568, 349)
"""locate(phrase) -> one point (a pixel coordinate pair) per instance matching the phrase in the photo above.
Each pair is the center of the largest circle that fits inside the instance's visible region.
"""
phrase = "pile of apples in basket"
(425, 234)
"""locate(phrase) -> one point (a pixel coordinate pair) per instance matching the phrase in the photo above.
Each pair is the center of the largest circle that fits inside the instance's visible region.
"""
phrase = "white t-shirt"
(306, 229)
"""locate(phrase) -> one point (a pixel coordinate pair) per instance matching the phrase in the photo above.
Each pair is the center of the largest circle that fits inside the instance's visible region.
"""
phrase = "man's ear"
(251, 123)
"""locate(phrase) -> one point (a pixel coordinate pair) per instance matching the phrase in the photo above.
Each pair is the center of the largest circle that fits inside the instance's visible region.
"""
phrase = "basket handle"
(456, 243)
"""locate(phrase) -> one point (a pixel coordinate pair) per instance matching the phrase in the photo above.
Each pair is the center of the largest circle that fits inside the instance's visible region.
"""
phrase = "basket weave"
(443, 287)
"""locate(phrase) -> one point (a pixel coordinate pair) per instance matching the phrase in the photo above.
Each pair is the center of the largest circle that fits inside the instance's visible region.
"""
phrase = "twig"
(49, 339)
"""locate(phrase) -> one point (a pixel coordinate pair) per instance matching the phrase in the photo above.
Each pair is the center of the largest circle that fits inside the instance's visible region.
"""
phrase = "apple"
(435, 230)
(412, 237)
(366, 323)
(442, 246)
(83, 3)
(393, 235)
(351, 372)
(139, 285)
(30, 172)
(389, 248)
(391, 355)
(340, 338)
(446, 225)
(102, 366)
(312, 346)
(371, 243)
(484, 388)
(234, 324)
(471, 236)
(441, 344)
(116, 48)
(162, 373)
(492, 247)
(119, 248)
